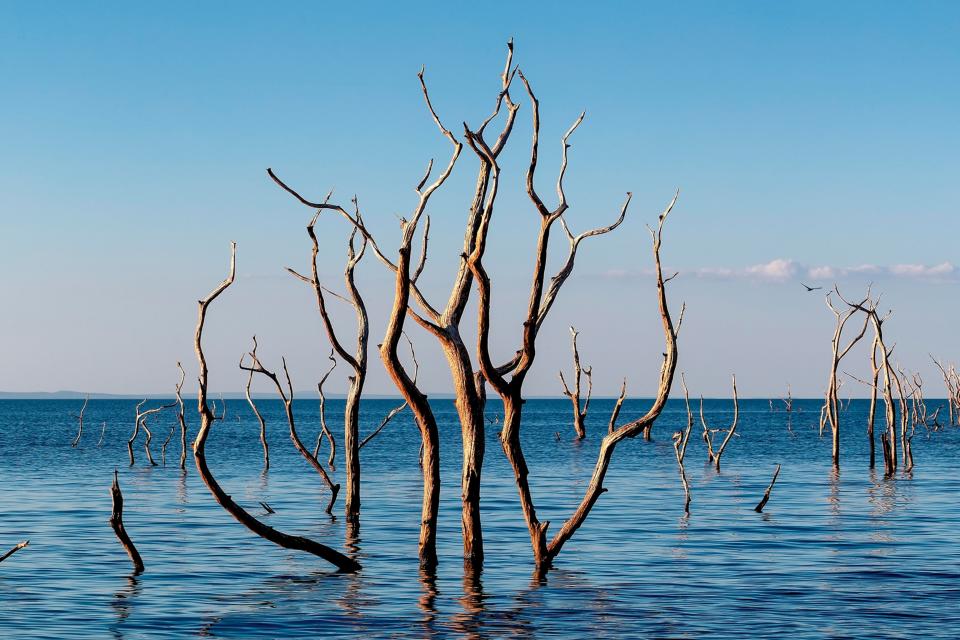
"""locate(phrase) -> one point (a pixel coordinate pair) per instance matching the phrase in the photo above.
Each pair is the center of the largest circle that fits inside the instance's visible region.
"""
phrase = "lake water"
(854, 555)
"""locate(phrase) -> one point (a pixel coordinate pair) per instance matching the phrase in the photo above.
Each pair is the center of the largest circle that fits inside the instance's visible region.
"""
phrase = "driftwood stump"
(116, 521)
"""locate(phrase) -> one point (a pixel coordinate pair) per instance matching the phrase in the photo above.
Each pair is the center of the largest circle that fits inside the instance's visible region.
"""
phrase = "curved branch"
(279, 538)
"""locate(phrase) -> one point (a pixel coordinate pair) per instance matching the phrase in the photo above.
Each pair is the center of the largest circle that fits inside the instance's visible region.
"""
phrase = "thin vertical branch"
(256, 412)
(76, 440)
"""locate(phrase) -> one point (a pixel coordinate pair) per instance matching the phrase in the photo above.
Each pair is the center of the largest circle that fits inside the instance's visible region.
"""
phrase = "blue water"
(854, 555)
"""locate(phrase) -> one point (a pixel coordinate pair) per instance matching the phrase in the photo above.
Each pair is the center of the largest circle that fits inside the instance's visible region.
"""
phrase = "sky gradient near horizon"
(815, 142)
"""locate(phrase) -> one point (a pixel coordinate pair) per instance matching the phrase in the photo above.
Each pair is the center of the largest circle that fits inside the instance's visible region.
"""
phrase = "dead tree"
(324, 430)
(207, 418)
(356, 361)
(163, 447)
(766, 494)
(445, 324)
(103, 430)
(888, 439)
(116, 521)
(680, 440)
(140, 422)
(708, 433)
(256, 412)
(579, 413)
(952, 391)
(833, 384)
(181, 419)
(510, 391)
(287, 397)
(405, 278)
(788, 401)
(16, 547)
(79, 416)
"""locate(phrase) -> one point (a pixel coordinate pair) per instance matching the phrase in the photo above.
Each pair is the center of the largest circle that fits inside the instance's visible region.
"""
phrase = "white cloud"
(778, 269)
(821, 273)
(922, 271)
(785, 269)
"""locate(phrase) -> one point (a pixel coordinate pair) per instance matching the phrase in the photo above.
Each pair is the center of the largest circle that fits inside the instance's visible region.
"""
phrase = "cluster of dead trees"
(902, 392)
(473, 368)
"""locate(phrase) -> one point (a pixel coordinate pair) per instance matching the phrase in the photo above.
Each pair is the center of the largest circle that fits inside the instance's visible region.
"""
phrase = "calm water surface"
(854, 555)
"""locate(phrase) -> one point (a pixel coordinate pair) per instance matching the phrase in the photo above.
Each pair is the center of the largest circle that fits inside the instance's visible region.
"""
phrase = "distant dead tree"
(708, 433)
(832, 402)
(207, 419)
(356, 360)
(579, 412)
(952, 384)
(287, 397)
(79, 417)
(256, 412)
(140, 422)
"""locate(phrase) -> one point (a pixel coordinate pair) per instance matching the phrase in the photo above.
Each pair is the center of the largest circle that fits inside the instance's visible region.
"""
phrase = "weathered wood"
(116, 522)
(207, 418)
(766, 494)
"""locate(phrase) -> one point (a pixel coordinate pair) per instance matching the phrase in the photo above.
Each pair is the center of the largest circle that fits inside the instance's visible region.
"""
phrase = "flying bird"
(809, 288)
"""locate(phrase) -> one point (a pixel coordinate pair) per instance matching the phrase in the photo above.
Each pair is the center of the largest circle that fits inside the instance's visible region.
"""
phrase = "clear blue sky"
(808, 139)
